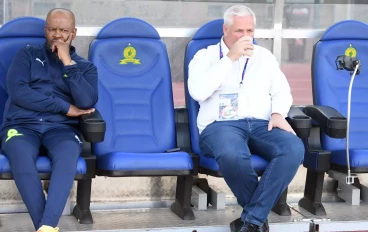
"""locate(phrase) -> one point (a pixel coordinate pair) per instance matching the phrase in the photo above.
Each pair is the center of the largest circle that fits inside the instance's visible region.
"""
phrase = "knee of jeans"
(230, 154)
(295, 151)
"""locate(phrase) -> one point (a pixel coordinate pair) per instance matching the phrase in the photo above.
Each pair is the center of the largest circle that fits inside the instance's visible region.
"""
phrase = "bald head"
(61, 13)
(60, 24)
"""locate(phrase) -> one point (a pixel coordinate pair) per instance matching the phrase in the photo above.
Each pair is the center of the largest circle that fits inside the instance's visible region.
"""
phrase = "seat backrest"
(330, 86)
(208, 34)
(14, 35)
(135, 88)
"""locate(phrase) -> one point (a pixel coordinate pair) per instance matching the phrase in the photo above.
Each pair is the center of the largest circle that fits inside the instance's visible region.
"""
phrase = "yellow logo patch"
(129, 55)
(12, 133)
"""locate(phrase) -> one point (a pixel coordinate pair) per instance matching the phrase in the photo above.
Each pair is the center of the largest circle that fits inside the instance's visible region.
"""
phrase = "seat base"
(315, 208)
(182, 207)
(282, 208)
(313, 193)
(83, 216)
(82, 210)
(185, 213)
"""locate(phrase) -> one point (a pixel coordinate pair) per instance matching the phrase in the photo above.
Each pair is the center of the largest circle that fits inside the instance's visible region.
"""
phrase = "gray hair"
(237, 10)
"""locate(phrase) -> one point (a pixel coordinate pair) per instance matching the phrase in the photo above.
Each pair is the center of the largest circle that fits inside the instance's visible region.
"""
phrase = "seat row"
(136, 131)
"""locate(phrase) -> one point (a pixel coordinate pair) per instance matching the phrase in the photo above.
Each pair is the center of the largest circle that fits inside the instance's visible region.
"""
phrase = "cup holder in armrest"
(93, 129)
(301, 124)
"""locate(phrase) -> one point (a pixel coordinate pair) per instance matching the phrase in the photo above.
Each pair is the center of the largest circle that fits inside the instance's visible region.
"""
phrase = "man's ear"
(225, 29)
(74, 33)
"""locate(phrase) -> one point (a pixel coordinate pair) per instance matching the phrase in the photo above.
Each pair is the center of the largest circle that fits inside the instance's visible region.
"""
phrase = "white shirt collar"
(224, 48)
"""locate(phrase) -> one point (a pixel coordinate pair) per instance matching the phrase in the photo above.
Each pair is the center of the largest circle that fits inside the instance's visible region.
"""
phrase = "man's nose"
(246, 33)
(57, 34)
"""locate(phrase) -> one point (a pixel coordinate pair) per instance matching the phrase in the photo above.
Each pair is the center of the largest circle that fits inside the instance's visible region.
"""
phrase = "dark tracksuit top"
(41, 88)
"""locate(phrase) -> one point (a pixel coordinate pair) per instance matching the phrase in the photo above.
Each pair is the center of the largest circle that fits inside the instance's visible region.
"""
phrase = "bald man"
(49, 87)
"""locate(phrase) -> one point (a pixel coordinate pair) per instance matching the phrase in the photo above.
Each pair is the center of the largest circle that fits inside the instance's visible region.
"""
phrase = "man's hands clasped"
(76, 112)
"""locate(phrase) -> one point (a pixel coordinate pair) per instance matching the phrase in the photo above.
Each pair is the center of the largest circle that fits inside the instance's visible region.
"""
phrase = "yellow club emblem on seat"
(129, 55)
(351, 51)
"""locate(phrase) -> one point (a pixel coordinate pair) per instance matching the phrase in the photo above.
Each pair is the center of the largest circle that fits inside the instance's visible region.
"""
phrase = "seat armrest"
(93, 127)
(331, 122)
(182, 130)
(183, 136)
(300, 122)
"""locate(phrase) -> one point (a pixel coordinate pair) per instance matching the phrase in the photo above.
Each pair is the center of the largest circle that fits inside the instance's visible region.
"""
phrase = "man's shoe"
(236, 225)
(48, 229)
(239, 226)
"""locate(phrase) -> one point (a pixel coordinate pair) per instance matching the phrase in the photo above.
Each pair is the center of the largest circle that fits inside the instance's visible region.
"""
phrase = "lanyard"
(245, 66)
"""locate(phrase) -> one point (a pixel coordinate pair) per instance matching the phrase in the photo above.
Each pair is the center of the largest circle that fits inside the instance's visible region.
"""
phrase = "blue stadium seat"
(210, 34)
(14, 35)
(326, 145)
(136, 100)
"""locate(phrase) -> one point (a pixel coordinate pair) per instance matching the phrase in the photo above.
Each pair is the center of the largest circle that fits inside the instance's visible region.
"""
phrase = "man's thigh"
(269, 144)
(20, 143)
(224, 137)
(62, 142)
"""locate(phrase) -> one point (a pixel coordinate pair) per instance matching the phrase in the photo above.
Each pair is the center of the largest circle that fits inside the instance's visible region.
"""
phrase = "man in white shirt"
(244, 99)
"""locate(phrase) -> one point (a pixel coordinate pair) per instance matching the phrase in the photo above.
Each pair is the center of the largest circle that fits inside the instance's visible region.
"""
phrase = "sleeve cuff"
(64, 106)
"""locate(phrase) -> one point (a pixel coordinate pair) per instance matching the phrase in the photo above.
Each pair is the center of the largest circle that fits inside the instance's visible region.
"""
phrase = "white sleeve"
(280, 91)
(205, 76)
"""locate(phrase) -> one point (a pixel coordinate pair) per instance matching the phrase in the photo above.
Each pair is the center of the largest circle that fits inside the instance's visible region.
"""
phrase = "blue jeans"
(231, 143)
